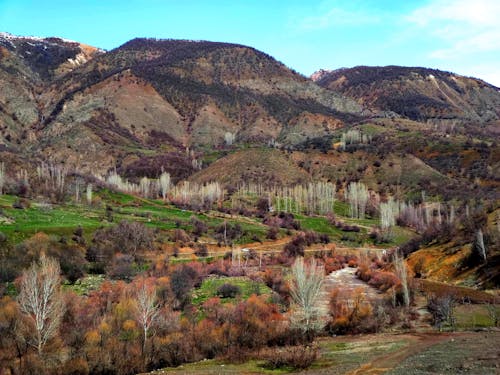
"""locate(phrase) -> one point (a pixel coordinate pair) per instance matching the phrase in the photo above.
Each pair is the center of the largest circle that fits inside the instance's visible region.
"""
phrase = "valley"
(198, 207)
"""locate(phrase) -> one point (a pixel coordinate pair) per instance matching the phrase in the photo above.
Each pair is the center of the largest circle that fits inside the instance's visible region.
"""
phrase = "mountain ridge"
(421, 94)
(148, 101)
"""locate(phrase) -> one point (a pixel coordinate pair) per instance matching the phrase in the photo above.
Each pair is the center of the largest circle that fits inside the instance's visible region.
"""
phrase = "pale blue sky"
(456, 35)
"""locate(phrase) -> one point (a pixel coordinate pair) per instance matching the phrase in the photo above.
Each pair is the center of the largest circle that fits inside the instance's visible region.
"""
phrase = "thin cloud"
(336, 17)
(467, 27)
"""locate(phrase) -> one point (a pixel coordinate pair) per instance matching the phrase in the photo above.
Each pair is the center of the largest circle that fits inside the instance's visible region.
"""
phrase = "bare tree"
(479, 245)
(305, 291)
(145, 187)
(357, 196)
(164, 182)
(77, 190)
(442, 309)
(402, 273)
(41, 300)
(147, 308)
(89, 194)
(229, 138)
(388, 213)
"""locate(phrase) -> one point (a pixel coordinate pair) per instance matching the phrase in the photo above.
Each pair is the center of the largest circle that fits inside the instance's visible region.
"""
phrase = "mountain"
(27, 65)
(156, 96)
(420, 94)
(47, 57)
(205, 110)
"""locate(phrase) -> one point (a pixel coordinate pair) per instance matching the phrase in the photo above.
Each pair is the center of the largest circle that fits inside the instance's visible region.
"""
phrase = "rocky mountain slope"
(27, 66)
(74, 103)
(182, 106)
(420, 94)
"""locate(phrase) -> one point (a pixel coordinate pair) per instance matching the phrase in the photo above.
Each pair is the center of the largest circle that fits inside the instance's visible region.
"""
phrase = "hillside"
(27, 66)
(173, 201)
(148, 101)
(439, 98)
(188, 94)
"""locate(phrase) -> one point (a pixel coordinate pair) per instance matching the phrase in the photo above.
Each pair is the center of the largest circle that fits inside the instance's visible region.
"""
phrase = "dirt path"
(416, 343)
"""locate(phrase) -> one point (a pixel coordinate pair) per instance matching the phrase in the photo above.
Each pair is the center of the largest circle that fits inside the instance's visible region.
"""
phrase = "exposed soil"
(415, 343)
(460, 353)
(394, 354)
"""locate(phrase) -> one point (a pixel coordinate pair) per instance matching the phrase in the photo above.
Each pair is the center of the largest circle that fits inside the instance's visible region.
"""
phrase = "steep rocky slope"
(440, 98)
(27, 65)
(188, 94)
(179, 105)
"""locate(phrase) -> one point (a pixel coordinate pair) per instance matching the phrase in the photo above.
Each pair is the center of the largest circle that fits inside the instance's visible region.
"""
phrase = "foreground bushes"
(296, 357)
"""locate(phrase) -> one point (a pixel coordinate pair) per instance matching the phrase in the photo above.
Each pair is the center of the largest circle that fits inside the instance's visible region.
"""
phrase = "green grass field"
(470, 316)
(337, 356)
(210, 285)
(111, 207)
(19, 224)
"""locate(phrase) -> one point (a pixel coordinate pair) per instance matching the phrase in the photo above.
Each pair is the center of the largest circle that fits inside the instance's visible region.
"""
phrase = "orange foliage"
(349, 312)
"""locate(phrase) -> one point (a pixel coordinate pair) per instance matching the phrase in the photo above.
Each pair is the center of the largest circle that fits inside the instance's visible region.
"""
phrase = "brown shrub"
(297, 357)
(179, 235)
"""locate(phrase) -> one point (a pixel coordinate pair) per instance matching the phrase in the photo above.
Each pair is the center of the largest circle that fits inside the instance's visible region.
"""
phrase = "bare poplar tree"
(357, 196)
(451, 217)
(402, 273)
(147, 308)
(77, 191)
(89, 194)
(229, 138)
(145, 186)
(388, 212)
(305, 291)
(479, 245)
(165, 183)
(41, 300)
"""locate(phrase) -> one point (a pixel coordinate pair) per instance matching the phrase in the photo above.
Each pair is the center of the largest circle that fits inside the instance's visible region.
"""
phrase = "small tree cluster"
(53, 176)
(196, 195)
(350, 312)
(147, 187)
(357, 196)
(315, 197)
(354, 136)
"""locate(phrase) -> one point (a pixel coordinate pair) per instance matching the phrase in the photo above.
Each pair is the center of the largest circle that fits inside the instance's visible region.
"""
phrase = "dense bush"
(296, 357)
(442, 309)
(282, 220)
(382, 280)
(201, 250)
(182, 280)
(121, 267)
(132, 238)
(296, 246)
(199, 226)
(178, 165)
(272, 233)
(227, 233)
(299, 242)
(228, 291)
